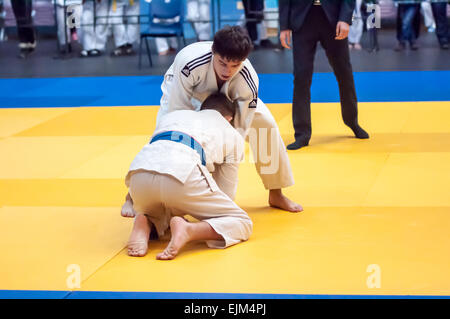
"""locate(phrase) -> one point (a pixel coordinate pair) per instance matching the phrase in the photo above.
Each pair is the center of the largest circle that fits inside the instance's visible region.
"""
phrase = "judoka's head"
(219, 102)
(231, 47)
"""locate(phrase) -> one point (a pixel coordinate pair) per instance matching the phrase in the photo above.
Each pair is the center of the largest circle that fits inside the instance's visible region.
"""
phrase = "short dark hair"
(233, 43)
(219, 102)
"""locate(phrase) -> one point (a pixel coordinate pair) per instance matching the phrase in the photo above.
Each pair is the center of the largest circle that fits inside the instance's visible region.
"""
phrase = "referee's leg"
(304, 43)
(339, 57)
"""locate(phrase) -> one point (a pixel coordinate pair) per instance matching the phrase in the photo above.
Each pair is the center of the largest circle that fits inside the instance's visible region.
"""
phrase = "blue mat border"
(49, 294)
(389, 86)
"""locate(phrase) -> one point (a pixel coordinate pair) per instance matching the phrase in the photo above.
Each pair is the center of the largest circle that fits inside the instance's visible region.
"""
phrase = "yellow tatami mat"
(382, 204)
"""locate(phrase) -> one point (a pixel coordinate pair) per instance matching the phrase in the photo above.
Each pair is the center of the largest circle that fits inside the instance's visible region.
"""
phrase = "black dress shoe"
(359, 132)
(297, 144)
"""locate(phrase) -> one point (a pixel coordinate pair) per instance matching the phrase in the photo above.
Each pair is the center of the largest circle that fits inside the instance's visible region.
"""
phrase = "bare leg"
(184, 232)
(127, 208)
(138, 242)
(278, 200)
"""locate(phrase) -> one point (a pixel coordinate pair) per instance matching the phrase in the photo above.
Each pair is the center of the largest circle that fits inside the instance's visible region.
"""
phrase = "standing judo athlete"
(203, 68)
(169, 178)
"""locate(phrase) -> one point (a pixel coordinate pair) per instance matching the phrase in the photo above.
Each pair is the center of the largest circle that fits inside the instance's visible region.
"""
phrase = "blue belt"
(182, 138)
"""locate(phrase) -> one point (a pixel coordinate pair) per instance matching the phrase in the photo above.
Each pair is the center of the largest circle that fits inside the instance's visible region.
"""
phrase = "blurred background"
(64, 38)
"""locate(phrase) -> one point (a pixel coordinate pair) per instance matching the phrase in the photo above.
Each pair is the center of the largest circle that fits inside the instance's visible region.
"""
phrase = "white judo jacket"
(222, 144)
(191, 79)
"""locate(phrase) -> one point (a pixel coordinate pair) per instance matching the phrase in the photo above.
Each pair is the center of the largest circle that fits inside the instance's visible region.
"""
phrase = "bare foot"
(127, 209)
(179, 228)
(278, 200)
(357, 46)
(138, 242)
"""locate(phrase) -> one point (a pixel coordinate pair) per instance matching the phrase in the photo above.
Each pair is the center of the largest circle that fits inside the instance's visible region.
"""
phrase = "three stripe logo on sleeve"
(204, 59)
(251, 84)
(186, 71)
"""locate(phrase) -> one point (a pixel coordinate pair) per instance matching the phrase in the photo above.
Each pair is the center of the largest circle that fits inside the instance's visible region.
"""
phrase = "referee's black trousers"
(22, 11)
(316, 28)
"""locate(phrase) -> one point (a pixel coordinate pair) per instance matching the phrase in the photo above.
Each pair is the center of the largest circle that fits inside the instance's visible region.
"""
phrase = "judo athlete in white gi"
(203, 68)
(92, 43)
(169, 178)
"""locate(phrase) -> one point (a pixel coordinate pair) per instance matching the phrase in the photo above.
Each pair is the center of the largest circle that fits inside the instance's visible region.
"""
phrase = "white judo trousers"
(113, 21)
(268, 149)
(90, 38)
(197, 197)
(197, 10)
(164, 44)
(200, 10)
(106, 16)
(132, 11)
(356, 29)
(62, 14)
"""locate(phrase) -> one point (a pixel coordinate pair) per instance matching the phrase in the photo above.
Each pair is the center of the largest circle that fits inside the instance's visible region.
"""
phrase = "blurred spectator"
(442, 29)
(368, 11)
(256, 28)
(115, 22)
(356, 29)
(408, 24)
(132, 12)
(108, 15)
(254, 14)
(66, 32)
(92, 9)
(166, 46)
(27, 35)
(363, 15)
(200, 10)
(2, 21)
(197, 10)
